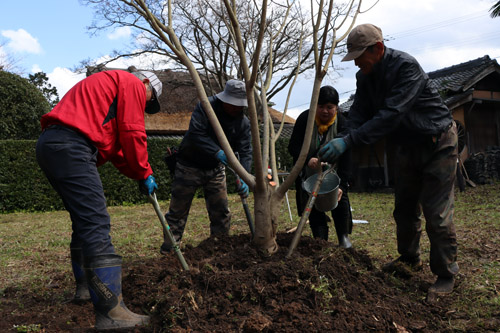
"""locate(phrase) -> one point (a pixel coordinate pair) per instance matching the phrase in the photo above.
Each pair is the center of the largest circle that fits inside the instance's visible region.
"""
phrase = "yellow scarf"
(322, 128)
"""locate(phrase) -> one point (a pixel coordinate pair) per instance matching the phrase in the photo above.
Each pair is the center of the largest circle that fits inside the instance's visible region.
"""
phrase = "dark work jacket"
(200, 144)
(396, 100)
(295, 144)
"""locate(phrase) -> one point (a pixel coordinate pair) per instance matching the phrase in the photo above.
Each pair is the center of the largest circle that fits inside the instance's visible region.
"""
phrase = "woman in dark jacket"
(328, 123)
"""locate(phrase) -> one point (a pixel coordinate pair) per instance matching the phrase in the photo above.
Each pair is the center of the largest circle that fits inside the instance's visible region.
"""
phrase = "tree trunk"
(267, 211)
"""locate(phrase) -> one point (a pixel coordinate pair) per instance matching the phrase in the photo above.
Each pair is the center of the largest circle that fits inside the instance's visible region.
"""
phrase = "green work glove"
(332, 150)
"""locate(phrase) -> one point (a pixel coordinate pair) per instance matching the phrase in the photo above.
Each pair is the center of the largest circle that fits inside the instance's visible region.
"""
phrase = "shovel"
(243, 200)
(167, 231)
(307, 211)
(245, 204)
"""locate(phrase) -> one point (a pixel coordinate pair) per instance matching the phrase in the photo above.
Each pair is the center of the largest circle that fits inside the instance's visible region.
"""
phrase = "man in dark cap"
(100, 119)
(395, 100)
(201, 162)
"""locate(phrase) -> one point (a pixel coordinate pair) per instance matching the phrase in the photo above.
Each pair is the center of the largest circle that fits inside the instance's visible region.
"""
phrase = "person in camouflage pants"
(396, 100)
(201, 162)
(186, 181)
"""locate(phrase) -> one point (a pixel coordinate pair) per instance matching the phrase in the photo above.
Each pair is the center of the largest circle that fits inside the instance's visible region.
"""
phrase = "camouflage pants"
(186, 181)
(425, 177)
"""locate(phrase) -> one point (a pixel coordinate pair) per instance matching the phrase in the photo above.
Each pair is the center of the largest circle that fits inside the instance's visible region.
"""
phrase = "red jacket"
(108, 108)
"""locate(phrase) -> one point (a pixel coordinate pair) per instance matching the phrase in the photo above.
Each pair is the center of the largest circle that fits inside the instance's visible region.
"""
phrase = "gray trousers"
(425, 178)
(186, 181)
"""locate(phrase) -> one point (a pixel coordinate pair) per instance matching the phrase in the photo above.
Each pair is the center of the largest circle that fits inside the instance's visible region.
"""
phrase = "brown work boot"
(403, 266)
(442, 286)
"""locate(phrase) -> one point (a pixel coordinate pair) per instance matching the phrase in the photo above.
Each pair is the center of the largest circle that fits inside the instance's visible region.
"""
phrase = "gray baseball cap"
(154, 105)
(234, 93)
(360, 38)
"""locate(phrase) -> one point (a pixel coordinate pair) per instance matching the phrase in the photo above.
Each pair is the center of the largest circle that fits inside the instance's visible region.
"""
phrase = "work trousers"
(68, 160)
(425, 178)
(187, 181)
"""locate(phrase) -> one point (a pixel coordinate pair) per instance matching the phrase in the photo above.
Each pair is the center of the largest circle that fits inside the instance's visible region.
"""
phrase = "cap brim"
(232, 100)
(353, 54)
(153, 107)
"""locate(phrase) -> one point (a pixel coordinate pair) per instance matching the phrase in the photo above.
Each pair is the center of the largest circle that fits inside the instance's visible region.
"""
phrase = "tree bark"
(267, 212)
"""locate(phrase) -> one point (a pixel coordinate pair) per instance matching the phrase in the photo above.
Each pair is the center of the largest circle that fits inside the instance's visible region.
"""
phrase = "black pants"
(342, 216)
(68, 160)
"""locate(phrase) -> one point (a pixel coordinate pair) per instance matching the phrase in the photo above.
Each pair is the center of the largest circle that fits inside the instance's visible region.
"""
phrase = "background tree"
(495, 10)
(204, 31)
(253, 57)
(8, 62)
(21, 107)
(41, 81)
(208, 41)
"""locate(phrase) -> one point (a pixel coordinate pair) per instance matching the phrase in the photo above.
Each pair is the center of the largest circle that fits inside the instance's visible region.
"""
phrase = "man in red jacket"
(100, 119)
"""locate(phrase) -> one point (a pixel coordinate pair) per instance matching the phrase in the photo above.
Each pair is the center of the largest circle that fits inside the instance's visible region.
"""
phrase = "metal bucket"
(327, 198)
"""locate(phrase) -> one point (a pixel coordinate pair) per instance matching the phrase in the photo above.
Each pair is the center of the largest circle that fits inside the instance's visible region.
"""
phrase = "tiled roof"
(286, 132)
(344, 107)
(461, 77)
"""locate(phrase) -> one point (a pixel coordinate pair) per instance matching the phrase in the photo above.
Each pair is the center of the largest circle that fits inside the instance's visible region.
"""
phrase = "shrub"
(21, 107)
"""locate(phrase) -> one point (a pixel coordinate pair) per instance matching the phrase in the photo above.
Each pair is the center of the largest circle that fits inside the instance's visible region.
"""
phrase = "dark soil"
(229, 288)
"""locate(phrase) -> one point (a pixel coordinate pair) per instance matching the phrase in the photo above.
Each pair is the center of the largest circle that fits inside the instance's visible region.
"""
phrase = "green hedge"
(21, 106)
(24, 187)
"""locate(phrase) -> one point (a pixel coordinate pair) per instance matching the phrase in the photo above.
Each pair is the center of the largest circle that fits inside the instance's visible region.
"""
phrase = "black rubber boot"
(105, 283)
(344, 241)
(342, 228)
(320, 231)
(82, 294)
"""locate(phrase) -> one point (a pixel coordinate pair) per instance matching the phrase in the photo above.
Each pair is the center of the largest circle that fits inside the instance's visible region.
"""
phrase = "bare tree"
(495, 10)
(253, 56)
(209, 42)
(203, 29)
(8, 62)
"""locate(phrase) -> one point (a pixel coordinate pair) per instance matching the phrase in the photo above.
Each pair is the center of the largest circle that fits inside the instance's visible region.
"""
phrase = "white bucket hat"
(234, 93)
(154, 105)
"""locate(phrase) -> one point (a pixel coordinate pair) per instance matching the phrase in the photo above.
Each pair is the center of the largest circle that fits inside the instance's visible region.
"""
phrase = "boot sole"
(104, 324)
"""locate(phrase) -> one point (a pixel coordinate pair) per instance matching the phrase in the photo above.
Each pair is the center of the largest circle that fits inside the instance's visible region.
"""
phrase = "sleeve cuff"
(348, 141)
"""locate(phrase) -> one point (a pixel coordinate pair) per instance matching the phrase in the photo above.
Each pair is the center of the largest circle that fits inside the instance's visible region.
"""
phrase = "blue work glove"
(332, 150)
(221, 156)
(242, 187)
(148, 185)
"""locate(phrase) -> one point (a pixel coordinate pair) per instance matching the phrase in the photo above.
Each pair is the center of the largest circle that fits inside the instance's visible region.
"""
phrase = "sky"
(52, 36)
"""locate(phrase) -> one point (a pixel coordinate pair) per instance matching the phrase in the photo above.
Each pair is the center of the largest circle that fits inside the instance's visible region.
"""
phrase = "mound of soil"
(229, 288)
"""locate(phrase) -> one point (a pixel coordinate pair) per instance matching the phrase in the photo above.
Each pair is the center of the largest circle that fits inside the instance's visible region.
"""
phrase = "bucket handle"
(307, 211)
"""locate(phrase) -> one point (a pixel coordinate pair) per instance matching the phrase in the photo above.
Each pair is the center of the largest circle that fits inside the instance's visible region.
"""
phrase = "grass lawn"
(35, 246)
